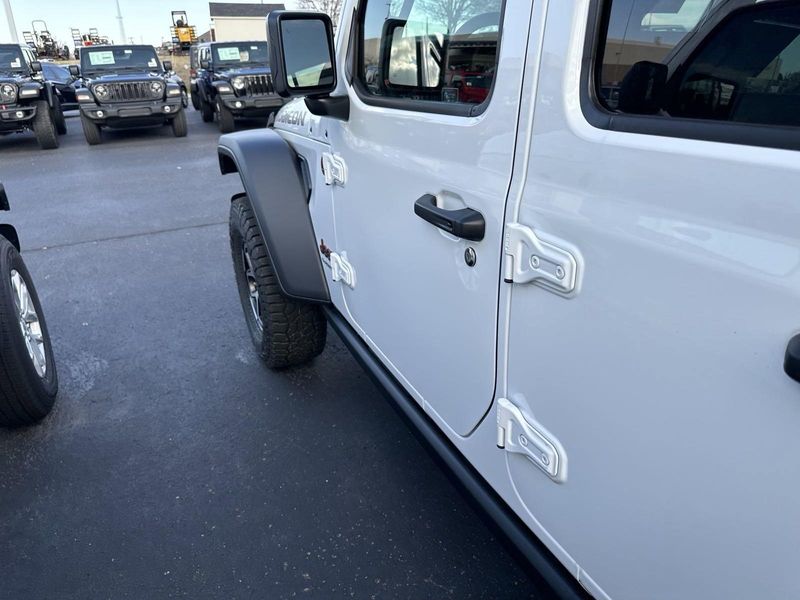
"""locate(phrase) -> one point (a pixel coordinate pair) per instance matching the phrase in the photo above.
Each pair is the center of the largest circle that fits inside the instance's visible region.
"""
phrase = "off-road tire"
(179, 125)
(58, 117)
(195, 100)
(292, 332)
(91, 130)
(206, 111)
(25, 396)
(225, 119)
(44, 127)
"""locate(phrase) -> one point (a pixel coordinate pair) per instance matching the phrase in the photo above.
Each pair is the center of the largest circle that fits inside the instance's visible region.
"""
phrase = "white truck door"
(665, 162)
(432, 124)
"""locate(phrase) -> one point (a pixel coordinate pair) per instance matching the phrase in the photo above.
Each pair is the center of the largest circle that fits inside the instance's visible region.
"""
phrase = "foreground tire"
(179, 126)
(44, 127)
(285, 332)
(225, 119)
(58, 117)
(91, 131)
(206, 111)
(28, 378)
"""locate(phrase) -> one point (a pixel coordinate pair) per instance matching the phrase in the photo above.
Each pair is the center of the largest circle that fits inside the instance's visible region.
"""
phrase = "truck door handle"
(465, 223)
(791, 362)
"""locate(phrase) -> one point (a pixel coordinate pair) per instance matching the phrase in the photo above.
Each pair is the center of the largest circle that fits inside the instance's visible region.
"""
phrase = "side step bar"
(551, 579)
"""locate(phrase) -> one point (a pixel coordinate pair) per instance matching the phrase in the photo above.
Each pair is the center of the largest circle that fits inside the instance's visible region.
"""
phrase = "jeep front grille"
(129, 91)
(256, 85)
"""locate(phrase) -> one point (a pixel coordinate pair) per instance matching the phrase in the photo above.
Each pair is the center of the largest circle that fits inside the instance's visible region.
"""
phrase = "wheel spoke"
(29, 324)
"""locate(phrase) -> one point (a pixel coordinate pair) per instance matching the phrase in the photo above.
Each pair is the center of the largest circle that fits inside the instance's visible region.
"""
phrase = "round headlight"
(100, 91)
(8, 92)
(157, 88)
(238, 83)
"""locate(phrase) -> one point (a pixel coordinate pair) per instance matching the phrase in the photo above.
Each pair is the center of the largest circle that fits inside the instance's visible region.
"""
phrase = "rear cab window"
(721, 62)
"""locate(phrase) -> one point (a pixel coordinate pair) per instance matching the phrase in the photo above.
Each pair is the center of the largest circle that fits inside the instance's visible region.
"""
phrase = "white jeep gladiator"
(564, 237)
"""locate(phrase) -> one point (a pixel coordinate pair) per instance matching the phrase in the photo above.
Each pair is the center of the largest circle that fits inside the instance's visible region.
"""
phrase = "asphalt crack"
(126, 236)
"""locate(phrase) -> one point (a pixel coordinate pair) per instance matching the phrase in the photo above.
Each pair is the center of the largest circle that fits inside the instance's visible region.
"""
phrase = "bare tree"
(454, 13)
(332, 8)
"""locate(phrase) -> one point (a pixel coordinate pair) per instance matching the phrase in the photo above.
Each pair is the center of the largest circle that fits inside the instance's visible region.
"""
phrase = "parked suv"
(234, 81)
(127, 86)
(27, 101)
(578, 280)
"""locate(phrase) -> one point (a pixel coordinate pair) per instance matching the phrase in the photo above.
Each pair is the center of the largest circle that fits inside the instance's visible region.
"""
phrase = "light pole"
(12, 26)
(121, 24)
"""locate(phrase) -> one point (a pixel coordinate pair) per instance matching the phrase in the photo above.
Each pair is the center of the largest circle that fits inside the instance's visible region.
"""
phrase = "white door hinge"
(529, 259)
(518, 434)
(342, 270)
(334, 169)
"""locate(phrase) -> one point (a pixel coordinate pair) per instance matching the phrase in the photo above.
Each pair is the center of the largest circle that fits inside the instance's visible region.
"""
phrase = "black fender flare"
(10, 233)
(49, 94)
(203, 87)
(273, 182)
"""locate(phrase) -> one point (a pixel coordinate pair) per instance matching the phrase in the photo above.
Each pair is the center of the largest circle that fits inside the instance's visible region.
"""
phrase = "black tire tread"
(180, 128)
(227, 124)
(206, 111)
(294, 332)
(91, 131)
(44, 127)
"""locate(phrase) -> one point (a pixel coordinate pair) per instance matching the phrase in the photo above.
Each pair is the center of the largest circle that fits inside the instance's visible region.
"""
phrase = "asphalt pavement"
(174, 464)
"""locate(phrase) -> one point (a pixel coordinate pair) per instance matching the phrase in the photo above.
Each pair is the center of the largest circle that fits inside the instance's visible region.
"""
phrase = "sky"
(146, 21)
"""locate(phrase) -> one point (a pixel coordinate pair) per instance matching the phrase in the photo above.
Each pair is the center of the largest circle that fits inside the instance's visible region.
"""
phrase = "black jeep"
(234, 80)
(125, 87)
(27, 101)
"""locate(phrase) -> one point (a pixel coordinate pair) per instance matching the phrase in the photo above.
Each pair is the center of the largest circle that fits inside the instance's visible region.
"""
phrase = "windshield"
(137, 58)
(253, 53)
(53, 72)
(11, 60)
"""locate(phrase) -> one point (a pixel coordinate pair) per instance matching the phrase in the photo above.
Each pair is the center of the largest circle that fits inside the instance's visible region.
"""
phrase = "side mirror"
(301, 53)
(392, 27)
(167, 65)
(75, 70)
(204, 64)
(642, 89)
(36, 66)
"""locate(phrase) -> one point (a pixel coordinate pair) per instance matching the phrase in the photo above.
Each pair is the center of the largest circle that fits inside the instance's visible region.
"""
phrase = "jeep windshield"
(241, 54)
(105, 59)
(12, 61)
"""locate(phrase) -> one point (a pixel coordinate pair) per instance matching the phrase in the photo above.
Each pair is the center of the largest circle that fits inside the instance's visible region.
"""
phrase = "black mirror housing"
(167, 65)
(75, 70)
(36, 66)
(313, 31)
(642, 90)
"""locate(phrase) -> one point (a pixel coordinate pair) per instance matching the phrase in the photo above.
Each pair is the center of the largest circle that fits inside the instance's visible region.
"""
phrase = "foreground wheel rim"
(252, 287)
(29, 323)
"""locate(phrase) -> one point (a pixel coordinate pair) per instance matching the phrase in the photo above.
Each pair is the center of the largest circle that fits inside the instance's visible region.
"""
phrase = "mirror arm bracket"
(336, 107)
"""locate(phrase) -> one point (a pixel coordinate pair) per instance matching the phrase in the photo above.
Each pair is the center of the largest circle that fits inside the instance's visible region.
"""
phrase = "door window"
(430, 50)
(703, 59)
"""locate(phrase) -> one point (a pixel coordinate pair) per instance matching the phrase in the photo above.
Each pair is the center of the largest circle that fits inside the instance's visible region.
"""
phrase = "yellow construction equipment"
(183, 34)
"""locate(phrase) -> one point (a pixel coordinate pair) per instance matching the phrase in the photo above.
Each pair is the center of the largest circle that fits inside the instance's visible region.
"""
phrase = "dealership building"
(235, 21)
